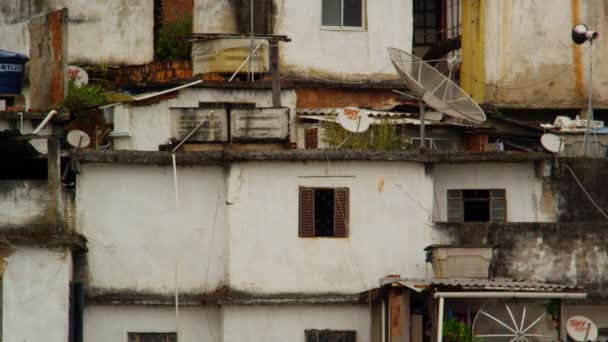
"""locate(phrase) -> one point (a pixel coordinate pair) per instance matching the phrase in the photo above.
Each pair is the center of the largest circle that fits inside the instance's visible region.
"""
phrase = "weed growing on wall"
(174, 40)
(85, 96)
(382, 136)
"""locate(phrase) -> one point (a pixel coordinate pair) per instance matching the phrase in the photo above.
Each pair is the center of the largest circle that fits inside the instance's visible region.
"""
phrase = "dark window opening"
(158, 22)
(324, 212)
(330, 335)
(477, 205)
(23, 169)
(428, 22)
(342, 13)
(152, 337)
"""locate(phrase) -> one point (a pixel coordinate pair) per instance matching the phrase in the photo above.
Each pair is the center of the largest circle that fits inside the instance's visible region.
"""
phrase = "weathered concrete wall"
(528, 47)
(528, 200)
(150, 126)
(317, 53)
(390, 208)
(567, 253)
(103, 32)
(129, 216)
(288, 323)
(23, 203)
(35, 294)
(112, 323)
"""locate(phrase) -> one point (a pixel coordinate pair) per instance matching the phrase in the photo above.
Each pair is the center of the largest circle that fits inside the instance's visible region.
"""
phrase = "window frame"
(362, 28)
(439, 26)
(491, 200)
(345, 213)
(317, 332)
(130, 333)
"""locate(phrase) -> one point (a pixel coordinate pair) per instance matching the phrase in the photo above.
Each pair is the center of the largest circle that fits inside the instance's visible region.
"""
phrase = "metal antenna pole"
(422, 132)
(590, 95)
(251, 45)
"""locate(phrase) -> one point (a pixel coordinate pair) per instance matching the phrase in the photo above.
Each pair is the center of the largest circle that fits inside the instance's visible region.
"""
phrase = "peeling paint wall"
(104, 323)
(530, 60)
(102, 32)
(35, 295)
(23, 203)
(527, 199)
(287, 323)
(388, 226)
(316, 53)
(150, 126)
(137, 239)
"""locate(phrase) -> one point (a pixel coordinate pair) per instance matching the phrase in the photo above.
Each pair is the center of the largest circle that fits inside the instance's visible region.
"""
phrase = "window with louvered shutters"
(341, 209)
(324, 212)
(311, 138)
(307, 219)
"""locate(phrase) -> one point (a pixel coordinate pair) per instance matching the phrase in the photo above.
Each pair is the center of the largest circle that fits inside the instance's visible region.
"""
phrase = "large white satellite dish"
(552, 143)
(434, 88)
(78, 139)
(581, 328)
(353, 119)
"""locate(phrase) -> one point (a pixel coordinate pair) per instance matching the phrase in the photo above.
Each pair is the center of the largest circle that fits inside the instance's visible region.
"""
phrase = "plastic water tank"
(12, 67)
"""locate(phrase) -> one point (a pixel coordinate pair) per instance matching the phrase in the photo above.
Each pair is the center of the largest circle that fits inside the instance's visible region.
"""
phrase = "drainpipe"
(46, 120)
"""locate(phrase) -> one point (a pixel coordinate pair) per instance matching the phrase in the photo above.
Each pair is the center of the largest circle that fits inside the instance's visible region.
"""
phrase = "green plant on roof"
(84, 96)
(382, 136)
(456, 331)
(174, 40)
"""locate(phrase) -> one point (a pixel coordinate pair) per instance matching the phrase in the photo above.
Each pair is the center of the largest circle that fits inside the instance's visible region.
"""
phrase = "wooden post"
(274, 71)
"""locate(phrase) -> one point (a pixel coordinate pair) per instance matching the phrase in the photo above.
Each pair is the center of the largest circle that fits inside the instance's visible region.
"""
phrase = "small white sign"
(78, 75)
(578, 327)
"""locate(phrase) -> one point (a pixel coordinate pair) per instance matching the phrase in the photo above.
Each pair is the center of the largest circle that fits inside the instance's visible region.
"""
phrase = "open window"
(343, 14)
(152, 337)
(477, 205)
(324, 212)
(330, 335)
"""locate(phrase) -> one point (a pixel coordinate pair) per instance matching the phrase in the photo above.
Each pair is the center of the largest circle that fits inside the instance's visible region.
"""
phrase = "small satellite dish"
(78, 75)
(552, 143)
(581, 329)
(581, 33)
(434, 88)
(78, 139)
(353, 119)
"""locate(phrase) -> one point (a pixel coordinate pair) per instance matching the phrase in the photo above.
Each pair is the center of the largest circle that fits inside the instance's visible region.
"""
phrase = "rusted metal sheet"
(259, 124)
(396, 322)
(213, 129)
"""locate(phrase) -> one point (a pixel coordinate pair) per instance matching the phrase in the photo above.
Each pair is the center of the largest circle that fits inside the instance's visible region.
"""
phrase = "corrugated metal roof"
(334, 111)
(468, 284)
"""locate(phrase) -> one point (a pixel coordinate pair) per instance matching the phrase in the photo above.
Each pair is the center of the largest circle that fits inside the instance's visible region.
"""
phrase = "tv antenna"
(513, 321)
(580, 35)
(430, 86)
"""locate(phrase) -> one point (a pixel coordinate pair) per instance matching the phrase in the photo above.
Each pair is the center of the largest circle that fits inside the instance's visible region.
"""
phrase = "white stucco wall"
(112, 323)
(321, 53)
(137, 239)
(388, 228)
(35, 295)
(102, 32)
(525, 200)
(150, 126)
(529, 42)
(288, 323)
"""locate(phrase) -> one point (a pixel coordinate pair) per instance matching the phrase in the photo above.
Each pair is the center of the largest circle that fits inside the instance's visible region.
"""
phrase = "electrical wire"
(585, 191)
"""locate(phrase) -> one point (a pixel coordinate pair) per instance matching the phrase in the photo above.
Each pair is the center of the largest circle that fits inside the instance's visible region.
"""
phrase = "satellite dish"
(434, 88)
(581, 329)
(552, 143)
(78, 139)
(513, 321)
(353, 119)
(581, 33)
(78, 75)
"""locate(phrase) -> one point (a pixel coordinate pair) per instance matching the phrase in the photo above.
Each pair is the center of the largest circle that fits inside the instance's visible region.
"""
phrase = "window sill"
(343, 29)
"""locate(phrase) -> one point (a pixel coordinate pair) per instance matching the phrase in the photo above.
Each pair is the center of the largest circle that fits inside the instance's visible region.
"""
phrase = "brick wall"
(153, 73)
(172, 10)
(309, 97)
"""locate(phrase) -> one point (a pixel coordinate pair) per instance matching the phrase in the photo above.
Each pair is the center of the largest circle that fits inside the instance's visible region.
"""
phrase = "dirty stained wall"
(112, 323)
(101, 32)
(288, 322)
(387, 222)
(128, 214)
(530, 60)
(318, 53)
(23, 203)
(528, 199)
(35, 294)
(144, 128)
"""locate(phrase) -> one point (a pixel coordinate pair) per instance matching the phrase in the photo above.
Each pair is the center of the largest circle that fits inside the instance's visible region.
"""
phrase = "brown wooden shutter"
(341, 212)
(307, 218)
(311, 138)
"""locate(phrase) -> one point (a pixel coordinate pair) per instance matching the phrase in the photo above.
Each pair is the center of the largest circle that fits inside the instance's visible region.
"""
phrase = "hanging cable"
(585, 191)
